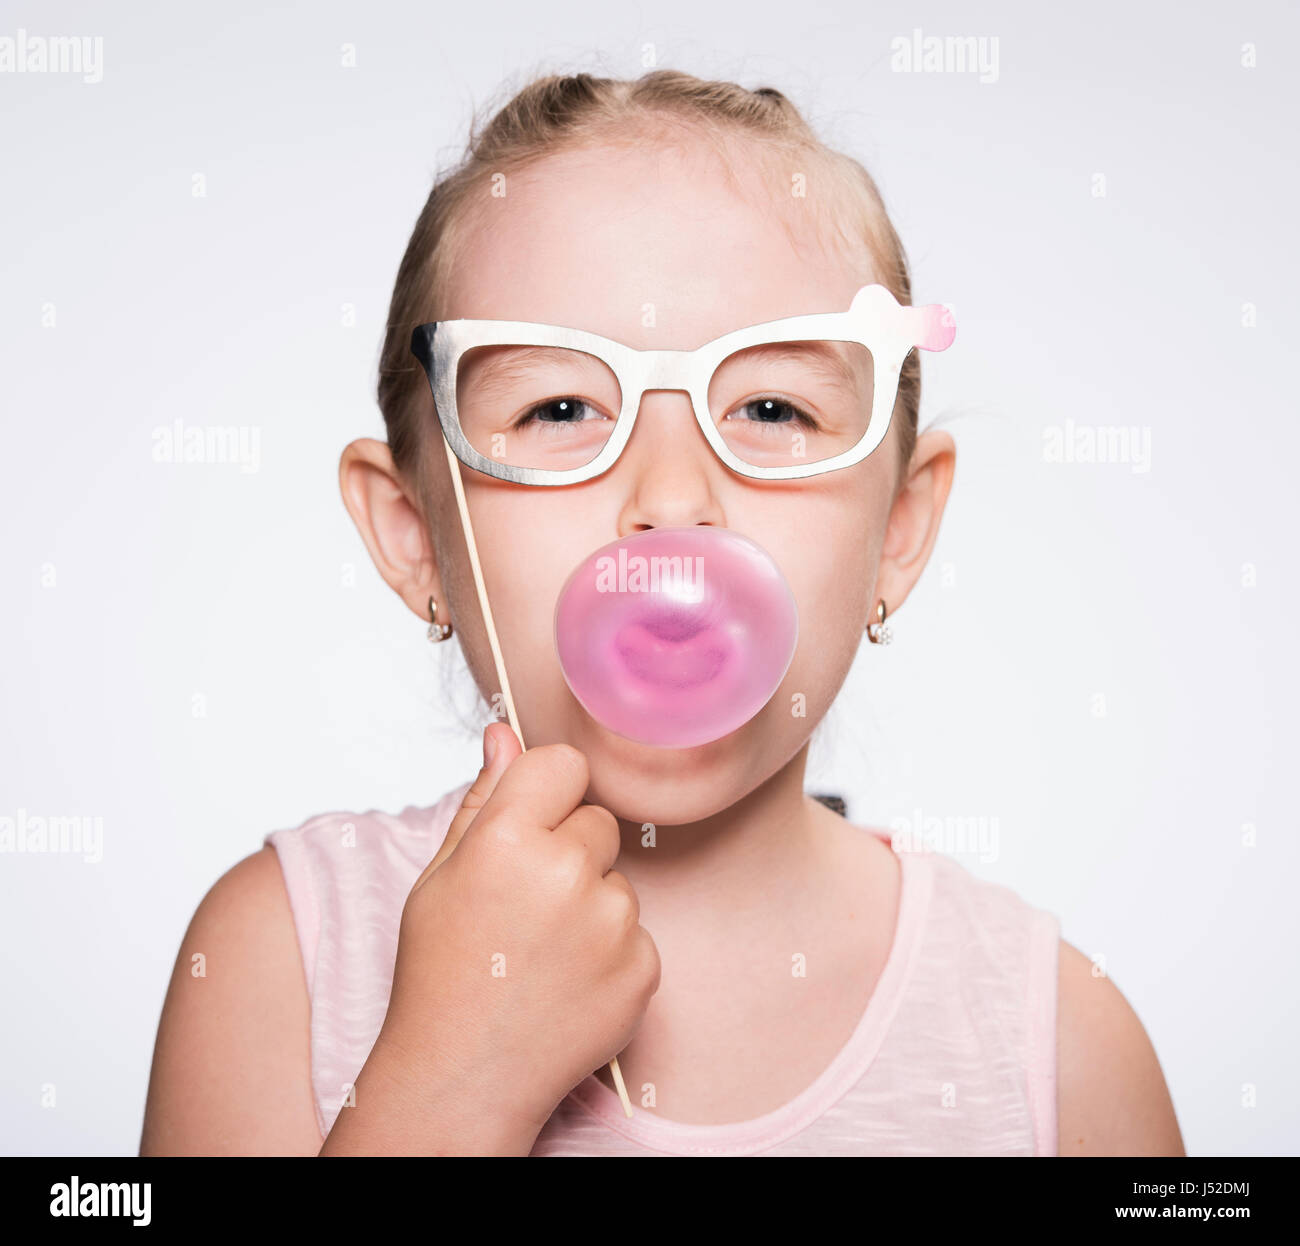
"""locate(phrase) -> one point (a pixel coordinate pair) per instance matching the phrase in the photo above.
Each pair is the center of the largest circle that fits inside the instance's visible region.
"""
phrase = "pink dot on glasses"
(676, 637)
(934, 326)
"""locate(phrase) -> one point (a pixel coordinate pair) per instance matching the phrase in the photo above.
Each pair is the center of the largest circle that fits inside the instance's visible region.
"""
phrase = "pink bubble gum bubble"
(677, 636)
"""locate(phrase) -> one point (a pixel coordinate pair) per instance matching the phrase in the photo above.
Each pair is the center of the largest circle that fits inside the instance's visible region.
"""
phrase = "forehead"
(661, 246)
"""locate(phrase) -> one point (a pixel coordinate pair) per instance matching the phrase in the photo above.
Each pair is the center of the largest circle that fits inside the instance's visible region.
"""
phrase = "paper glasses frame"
(875, 319)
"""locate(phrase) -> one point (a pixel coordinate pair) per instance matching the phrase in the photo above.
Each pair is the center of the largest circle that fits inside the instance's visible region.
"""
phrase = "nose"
(668, 469)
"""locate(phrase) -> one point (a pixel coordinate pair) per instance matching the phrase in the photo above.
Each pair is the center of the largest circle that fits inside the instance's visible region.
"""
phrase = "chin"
(673, 786)
(639, 801)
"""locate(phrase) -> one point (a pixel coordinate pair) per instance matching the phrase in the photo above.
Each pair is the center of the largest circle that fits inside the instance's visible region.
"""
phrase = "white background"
(1052, 583)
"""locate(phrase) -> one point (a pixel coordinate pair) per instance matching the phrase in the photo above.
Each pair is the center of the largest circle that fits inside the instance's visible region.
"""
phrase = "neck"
(749, 854)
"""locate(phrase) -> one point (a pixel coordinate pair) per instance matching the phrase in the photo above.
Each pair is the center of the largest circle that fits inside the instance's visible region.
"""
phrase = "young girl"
(771, 978)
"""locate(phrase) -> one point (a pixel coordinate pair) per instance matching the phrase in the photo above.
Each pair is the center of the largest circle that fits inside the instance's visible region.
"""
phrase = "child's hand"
(521, 966)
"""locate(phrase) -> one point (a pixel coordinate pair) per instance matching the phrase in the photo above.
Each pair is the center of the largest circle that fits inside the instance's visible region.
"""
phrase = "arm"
(231, 1067)
(1111, 1095)
(232, 1064)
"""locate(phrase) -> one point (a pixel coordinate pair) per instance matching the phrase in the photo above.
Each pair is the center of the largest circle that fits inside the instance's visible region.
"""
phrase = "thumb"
(500, 748)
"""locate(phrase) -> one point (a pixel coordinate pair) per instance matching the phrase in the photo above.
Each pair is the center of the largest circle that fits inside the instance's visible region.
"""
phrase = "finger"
(500, 748)
(540, 788)
(597, 830)
(650, 950)
(622, 892)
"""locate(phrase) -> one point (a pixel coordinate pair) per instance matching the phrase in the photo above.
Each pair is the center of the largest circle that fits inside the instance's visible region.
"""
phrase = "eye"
(560, 411)
(773, 411)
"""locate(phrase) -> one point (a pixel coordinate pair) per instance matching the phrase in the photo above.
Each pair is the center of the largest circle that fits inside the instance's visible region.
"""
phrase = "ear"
(914, 519)
(391, 523)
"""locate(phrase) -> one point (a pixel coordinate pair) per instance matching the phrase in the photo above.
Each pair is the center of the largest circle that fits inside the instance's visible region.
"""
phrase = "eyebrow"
(819, 354)
(495, 368)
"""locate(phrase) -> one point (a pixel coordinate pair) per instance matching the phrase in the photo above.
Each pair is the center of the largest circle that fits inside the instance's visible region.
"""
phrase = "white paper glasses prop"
(490, 379)
(544, 405)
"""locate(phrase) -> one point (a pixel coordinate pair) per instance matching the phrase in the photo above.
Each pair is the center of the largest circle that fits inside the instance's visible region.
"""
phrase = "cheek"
(830, 555)
(832, 577)
(832, 586)
(527, 551)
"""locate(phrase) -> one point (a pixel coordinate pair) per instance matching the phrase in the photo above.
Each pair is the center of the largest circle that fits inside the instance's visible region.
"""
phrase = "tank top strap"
(981, 1016)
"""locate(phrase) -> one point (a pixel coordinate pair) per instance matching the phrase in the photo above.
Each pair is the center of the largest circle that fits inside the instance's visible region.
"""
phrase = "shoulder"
(342, 868)
(230, 1070)
(1112, 1096)
(989, 925)
(411, 836)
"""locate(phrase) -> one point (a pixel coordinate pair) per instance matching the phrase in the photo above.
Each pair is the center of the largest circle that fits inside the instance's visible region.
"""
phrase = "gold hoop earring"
(437, 631)
(877, 632)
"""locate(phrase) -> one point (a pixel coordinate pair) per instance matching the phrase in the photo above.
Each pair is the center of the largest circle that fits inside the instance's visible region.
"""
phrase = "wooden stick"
(458, 485)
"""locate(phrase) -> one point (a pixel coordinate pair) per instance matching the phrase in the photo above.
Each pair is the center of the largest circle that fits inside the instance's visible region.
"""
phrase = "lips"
(669, 624)
(672, 652)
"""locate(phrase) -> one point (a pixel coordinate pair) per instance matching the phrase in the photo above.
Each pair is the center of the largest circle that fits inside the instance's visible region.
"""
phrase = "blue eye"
(776, 411)
(558, 411)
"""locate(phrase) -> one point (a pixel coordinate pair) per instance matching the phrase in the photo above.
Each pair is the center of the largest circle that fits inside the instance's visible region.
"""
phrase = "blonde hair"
(562, 112)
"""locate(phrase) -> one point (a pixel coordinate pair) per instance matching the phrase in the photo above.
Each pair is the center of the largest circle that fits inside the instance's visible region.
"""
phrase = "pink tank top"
(955, 1053)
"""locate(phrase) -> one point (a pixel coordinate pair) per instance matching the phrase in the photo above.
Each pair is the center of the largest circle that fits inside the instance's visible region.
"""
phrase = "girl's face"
(613, 242)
